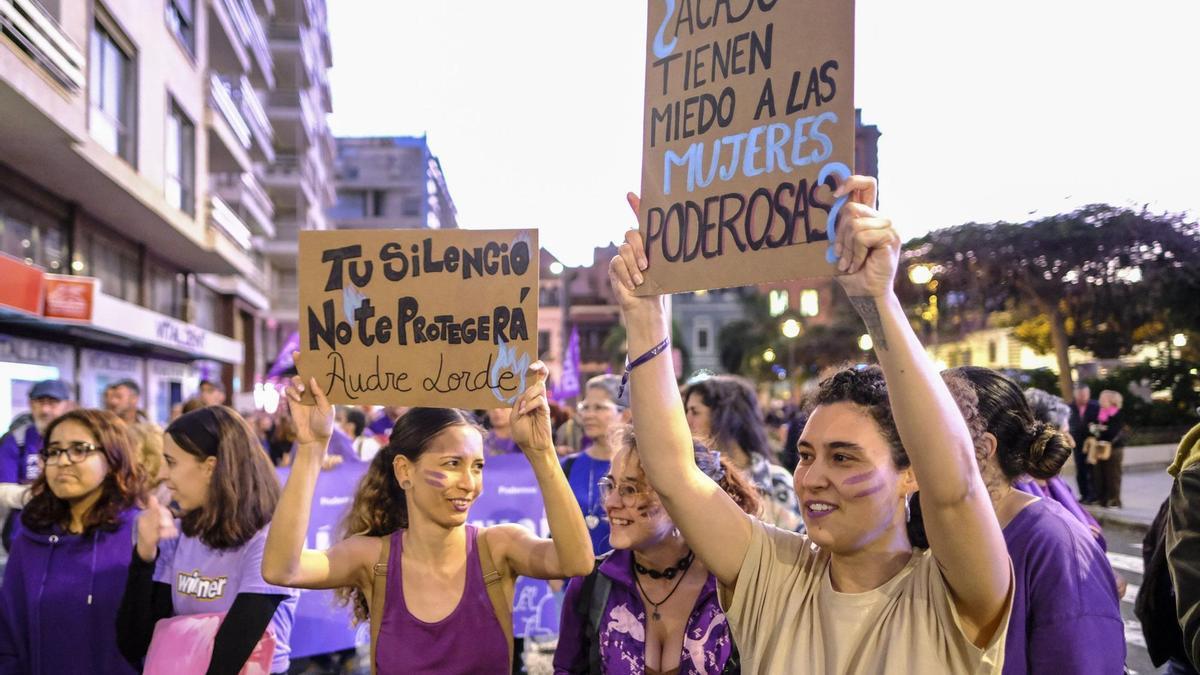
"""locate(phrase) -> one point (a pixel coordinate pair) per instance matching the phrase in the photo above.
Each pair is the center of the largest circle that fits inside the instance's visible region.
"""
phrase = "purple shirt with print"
(1065, 615)
(707, 644)
(204, 580)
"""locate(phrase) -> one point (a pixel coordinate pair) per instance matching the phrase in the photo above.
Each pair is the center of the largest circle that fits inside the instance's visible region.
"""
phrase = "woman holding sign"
(438, 592)
(852, 595)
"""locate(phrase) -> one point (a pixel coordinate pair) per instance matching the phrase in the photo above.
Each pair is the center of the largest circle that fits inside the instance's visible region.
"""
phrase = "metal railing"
(252, 111)
(40, 36)
(223, 101)
(228, 222)
(245, 189)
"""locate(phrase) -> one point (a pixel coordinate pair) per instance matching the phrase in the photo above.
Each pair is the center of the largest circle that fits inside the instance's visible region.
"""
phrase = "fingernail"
(637, 279)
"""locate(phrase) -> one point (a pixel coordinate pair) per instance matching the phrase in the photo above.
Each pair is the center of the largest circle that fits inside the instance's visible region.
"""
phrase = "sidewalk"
(1144, 486)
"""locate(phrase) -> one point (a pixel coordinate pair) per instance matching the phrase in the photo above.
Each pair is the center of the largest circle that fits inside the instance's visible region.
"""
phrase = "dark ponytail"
(1023, 444)
(380, 507)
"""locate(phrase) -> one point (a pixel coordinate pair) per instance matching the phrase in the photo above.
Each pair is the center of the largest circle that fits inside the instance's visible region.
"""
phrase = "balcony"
(294, 118)
(230, 150)
(243, 193)
(253, 115)
(233, 241)
(39, 36)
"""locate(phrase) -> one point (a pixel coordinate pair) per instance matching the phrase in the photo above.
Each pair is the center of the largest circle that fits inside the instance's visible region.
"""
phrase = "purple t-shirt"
(1065, 615)
(204, 580)
(1059, 491)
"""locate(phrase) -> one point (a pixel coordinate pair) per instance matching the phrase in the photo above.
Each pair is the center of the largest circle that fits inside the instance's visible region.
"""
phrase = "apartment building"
(391, 182)
(137, 208)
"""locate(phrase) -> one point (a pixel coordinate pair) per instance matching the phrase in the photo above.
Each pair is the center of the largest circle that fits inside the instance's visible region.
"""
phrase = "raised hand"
(529, 418)
(314, 422)
(153, 525)
(626, 268)
(867, 244)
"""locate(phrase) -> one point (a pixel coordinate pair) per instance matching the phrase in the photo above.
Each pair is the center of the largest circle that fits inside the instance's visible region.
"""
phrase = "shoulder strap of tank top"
(494, 583)
(378, 593)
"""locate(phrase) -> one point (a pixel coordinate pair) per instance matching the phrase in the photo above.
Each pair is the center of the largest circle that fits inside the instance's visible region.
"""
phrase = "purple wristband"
(654, 351)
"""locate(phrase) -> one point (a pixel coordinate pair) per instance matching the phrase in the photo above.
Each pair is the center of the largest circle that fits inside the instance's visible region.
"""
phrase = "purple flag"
(284, 360)
(568, 384)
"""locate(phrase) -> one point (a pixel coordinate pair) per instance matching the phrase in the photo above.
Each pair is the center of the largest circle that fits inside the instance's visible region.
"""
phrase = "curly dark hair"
(735, 416)
(122, 489)
(866, 388)
(379, 507)
(715, 465)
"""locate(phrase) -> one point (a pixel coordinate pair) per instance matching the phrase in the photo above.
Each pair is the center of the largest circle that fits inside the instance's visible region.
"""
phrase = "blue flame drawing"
(351, 300)
(506, 358)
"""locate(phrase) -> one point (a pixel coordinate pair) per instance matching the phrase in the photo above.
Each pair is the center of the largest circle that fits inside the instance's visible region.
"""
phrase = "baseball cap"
(55, 389)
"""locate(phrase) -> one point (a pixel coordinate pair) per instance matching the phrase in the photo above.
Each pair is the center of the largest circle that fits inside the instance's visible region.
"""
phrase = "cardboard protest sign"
(749, 125)
(442, 318)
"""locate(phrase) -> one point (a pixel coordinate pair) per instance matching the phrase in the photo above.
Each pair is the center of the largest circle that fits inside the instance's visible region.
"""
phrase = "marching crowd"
(924, 528)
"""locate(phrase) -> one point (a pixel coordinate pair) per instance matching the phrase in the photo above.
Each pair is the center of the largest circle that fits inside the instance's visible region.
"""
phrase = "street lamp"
(920, 274)
(556, 268)
(790, 329)
(769, 355)
(1180, 340)
(865, 342)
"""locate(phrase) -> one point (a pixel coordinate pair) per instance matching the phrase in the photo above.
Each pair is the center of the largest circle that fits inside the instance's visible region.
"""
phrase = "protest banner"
(511, 495)
(748, 128)
(568, 383)
(321, 624)
(430, 318)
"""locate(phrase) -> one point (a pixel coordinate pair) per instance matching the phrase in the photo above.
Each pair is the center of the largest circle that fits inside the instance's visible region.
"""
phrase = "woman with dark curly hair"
(71, 551)
(723, 410)
(649, 606)
(438, 591)
(1066, 617)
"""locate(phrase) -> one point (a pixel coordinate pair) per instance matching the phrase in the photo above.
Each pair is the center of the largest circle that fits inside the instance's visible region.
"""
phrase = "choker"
(678, 568)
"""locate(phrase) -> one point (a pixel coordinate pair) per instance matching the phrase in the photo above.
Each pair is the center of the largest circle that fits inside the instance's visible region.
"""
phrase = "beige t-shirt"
(786, 617)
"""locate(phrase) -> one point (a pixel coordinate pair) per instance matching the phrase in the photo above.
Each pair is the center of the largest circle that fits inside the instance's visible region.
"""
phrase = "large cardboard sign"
(749, 125)
(419, 317)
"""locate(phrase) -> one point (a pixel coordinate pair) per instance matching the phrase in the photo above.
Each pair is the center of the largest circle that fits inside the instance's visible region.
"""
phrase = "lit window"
(810, 302)
(777, 301)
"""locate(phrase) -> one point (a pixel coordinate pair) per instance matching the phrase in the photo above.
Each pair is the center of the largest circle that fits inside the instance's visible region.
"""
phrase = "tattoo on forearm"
(869, 311)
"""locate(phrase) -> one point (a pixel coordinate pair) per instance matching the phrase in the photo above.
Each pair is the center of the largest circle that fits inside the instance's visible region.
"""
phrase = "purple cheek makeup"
(435, 479)
(869, 476)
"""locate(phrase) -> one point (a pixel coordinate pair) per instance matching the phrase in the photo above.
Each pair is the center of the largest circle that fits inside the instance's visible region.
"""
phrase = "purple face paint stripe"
(860, 478)
(435, 479)
(870, 491)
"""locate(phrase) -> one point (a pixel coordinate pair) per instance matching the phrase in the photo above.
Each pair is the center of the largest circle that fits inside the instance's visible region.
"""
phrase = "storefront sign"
(21, 289)
(69, 298)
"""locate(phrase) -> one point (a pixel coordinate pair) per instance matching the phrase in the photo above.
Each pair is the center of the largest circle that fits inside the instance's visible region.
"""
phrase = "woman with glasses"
(603, 410)
(71, 552)
(649, 606)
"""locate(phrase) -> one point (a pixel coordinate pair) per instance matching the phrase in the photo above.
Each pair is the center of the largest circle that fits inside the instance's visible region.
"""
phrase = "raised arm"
(285, 560)
(963, 532)
(569, 553)
(712, 524)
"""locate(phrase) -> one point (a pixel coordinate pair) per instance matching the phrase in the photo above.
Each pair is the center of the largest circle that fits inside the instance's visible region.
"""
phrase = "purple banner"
(568, 383)
(284, 360)
(511, 495)
(322, 625)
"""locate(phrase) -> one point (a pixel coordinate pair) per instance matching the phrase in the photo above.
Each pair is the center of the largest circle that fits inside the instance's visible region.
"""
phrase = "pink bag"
(183, 645)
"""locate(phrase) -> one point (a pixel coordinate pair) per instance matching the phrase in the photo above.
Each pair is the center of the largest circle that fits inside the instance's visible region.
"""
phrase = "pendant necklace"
(680, 568)
(591, 519)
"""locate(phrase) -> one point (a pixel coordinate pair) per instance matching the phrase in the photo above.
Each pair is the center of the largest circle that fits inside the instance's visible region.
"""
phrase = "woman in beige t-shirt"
(853, 595)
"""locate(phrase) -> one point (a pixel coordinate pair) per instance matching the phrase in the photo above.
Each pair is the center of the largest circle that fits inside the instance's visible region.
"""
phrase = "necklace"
(669, 573)
(681, 567)
(591, 519)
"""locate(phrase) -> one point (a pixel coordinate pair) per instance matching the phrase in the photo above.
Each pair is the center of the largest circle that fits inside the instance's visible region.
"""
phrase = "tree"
(1090, 273)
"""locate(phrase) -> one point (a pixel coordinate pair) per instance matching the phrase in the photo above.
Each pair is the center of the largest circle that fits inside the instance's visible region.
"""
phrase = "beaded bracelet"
(629, 366)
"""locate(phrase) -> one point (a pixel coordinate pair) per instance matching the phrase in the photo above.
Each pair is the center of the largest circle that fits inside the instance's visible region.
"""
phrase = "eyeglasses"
(627, 493)
(74, 452)
(594, 407)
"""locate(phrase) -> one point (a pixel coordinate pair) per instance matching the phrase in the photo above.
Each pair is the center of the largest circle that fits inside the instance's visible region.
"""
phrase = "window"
(777, 301)
(166, 290)
(116, 262)
(181, 23)
(110, 90)
(410, 205)
(350, 204)
(206, 307)
(702, 334)
(810, 302)
(702, 340)
(543, 342)
(32, 236)
(180, 152)
(991, 352)
(378, 202)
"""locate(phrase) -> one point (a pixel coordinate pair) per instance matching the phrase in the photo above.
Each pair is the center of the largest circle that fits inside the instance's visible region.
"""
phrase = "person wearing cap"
(122, 398)
(20, 446)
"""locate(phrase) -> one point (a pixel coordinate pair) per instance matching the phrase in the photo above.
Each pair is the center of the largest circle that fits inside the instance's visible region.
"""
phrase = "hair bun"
(1045, 434)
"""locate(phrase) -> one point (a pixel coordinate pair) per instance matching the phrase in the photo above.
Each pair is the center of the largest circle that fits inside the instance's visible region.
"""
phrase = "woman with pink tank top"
(411, 511)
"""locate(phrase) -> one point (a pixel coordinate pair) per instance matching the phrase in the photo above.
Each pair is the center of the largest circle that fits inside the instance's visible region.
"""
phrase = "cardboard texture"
(749, 125)
(419, 317)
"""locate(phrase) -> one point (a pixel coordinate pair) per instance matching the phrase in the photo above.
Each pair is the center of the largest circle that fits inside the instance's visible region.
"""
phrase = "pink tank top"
(469, 640)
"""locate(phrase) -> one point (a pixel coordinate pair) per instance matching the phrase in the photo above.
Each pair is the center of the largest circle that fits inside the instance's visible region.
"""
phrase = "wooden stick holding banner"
(419, 317)
(748, 128)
